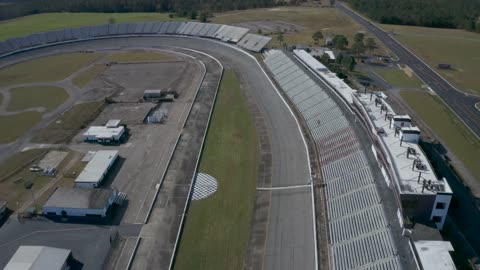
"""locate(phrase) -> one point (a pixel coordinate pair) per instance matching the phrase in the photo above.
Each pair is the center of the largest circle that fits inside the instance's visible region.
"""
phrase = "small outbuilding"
(157, 95)
(97, 168)
(444, 66)
(39, 258)
(79, 202)
(430, 250)
(112, 132)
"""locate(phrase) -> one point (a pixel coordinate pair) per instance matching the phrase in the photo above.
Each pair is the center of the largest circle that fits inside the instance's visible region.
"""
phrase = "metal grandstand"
(225, 33)
(360, 237)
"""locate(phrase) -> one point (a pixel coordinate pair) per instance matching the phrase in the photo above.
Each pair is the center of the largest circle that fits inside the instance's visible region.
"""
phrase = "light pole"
(29, 185)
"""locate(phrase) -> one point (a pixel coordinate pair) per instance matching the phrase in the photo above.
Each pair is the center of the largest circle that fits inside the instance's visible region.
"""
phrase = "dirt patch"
(270, 27)
(133, 79)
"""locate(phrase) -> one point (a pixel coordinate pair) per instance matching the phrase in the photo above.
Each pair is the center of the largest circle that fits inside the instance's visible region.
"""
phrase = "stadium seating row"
(225, 33)
(358, 228)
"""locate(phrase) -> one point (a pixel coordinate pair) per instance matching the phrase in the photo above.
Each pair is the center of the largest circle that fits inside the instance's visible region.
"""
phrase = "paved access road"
(461, 103)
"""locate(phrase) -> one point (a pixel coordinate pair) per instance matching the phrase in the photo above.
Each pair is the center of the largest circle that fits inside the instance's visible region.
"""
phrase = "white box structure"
(112, 132)
(96, 169)
(79, 202)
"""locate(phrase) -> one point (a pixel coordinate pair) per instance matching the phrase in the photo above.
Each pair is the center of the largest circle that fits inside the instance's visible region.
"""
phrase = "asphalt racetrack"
(461, 103)
(290, 232)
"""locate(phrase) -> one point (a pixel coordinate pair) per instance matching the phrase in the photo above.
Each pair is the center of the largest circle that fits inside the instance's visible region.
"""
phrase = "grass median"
(16, 125)
(48, 97)
(82, 79)
(397, 77)
(447, 126)
(69, 123)
(46, 69)
(217, 228)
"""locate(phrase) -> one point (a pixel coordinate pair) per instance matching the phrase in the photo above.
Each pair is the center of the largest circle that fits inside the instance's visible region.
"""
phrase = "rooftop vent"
(420, 166)
(411, 151)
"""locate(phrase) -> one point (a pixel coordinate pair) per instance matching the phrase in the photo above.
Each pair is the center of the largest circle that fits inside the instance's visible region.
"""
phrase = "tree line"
(180, 7)
(430, 13)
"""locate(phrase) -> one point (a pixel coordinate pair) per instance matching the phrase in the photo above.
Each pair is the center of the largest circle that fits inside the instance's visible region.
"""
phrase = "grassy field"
(65, 178)
(18, 161)
(137, 56)
(397, 77)
(69, 123)
(85, 77)
(456, 47)
(12, 188)
(329, 21)
(17, 125)
(59, 66)
(51, 21)
(49, 97)
(16, 172)
(217, 228)
(447, 127)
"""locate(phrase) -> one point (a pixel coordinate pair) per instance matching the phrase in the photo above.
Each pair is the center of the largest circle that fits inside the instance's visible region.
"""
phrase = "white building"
(112, 132)
(423, 195)
(79, 202)
(39, 258)
(430, 250)
(434, 255)
(96, 169)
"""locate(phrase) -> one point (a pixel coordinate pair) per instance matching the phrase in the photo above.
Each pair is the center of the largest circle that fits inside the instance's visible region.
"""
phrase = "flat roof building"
(39, 258)
(114, 123)
(79, 202)
(430, 250)
(423, 195)
(97, 168)
(112, 132)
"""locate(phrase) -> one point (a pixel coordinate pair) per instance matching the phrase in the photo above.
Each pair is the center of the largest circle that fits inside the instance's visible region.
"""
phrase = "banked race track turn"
(290, 230)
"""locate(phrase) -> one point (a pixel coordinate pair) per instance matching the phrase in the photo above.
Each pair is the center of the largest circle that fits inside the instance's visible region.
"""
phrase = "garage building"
(80, 202)
(111, 132)
(39, 258)
(96, 169)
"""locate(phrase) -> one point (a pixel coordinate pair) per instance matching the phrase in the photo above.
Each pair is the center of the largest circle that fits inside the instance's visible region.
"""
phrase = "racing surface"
(461, 103)
(290, 233)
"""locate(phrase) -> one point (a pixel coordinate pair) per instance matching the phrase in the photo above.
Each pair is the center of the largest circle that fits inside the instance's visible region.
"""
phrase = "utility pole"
(29, 185)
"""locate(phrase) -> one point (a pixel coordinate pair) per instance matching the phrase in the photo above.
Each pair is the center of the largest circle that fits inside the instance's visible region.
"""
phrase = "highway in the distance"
(461, 103)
